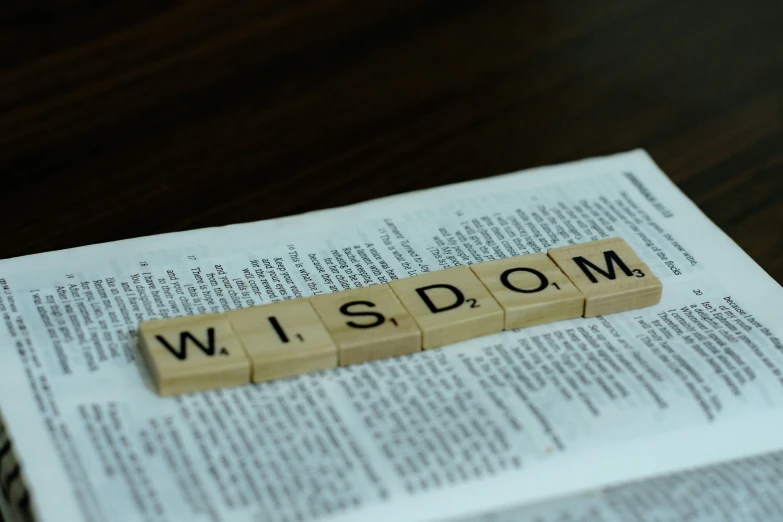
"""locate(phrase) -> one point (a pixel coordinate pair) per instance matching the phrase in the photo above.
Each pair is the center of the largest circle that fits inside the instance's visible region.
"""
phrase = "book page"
(747, 490)
(465, 429)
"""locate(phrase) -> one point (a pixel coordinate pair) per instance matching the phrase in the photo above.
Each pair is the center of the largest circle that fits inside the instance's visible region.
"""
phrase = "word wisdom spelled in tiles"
(610, 275)
(188, 354)
(430, 310)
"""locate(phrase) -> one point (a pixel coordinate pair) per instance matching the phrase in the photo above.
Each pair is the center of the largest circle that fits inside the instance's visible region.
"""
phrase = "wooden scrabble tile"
(449, 306)
(194, 353)
(367, 324)
(610, 275)
(284, 339)
(531, 290)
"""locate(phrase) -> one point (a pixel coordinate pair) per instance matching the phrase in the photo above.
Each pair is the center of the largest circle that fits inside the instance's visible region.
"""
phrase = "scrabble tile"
(449, 306)
(367, 324)
(284, 339)
(610, 275)
(194, 353)
(531, 290)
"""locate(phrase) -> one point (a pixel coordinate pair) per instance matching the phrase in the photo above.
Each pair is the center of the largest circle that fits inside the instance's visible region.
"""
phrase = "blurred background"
(123, 119)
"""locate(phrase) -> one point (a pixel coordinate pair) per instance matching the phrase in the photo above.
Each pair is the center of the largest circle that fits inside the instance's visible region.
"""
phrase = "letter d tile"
(449, 306)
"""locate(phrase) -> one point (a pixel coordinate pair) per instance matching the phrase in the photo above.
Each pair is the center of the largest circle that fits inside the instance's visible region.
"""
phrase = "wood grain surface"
(122, 119)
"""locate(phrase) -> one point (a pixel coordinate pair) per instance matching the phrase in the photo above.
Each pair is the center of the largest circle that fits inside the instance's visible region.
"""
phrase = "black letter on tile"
(182, 354)
(504, 279)
(434, 309)
(611, 257)
(278, 329)
(379, 318)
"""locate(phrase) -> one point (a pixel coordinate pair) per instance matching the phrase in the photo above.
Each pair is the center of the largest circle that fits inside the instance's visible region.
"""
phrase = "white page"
(747, 489)
(515, 417)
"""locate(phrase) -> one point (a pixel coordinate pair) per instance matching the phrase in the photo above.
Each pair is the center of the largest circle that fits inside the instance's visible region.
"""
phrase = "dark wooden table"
(128, 118)
(121, 119)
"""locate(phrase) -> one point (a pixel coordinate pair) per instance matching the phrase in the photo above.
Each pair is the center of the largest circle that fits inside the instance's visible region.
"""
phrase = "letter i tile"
(284, 339)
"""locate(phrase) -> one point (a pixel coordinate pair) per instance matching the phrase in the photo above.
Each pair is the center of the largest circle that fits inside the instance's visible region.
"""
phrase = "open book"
(667, 413)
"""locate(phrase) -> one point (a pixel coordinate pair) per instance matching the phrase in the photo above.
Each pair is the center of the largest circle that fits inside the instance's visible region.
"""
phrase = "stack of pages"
(667, 413)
